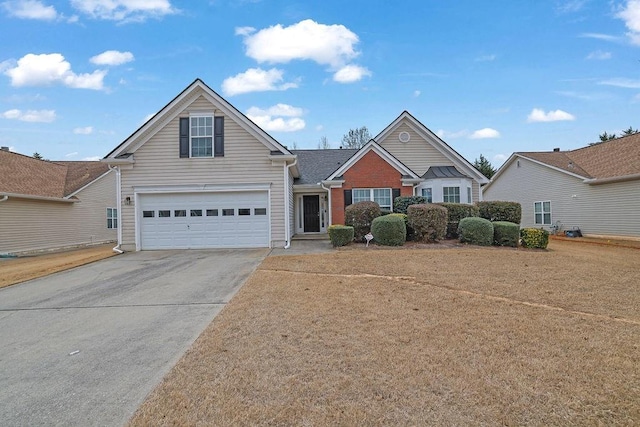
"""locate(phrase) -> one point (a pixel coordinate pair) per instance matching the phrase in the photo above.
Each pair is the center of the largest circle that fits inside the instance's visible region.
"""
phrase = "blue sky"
(77, 77)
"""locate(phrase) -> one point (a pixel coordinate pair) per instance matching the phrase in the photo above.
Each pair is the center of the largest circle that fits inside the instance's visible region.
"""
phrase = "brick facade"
(371, 171)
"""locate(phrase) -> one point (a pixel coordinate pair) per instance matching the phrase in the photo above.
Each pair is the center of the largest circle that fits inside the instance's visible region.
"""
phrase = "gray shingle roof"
(443, 172)
(316, 165)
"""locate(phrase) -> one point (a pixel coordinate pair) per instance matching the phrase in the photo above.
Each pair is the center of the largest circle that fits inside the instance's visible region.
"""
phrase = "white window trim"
(437, 185)
(422, 191)
(371, 198)
(112, 218)
(542, 212)
(452, 186)
(213, 130)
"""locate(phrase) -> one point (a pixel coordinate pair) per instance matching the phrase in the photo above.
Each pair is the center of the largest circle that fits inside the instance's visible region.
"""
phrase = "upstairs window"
(201, 136)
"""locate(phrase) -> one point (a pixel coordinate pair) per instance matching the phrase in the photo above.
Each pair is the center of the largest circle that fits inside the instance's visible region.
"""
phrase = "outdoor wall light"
(127, 200)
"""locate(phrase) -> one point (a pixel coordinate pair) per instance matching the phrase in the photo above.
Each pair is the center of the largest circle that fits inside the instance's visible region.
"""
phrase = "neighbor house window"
(469, 195)
(451, 194)
(112, 218)
(382, 196)
(201, 136)
(542, 213)
(427, 193)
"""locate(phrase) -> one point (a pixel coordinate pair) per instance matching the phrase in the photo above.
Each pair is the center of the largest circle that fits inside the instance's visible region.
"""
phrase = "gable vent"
(404, 137)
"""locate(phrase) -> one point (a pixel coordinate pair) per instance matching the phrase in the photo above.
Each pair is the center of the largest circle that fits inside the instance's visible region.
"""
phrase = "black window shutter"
(184, 137)
(218, 136)
(347, 198)
(395, 192)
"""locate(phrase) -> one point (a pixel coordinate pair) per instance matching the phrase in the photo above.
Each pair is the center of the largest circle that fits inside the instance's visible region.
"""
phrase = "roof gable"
(431, 138)
(179, 104)
(24, 175)
(384, 154)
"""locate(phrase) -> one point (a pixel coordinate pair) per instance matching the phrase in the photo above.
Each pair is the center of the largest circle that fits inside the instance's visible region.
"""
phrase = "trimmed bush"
(500, 211)
(457, 211)
(429, 221)
(535, 238)
(340, 235)
(389, 230)
(506, 234)
(359, 216)
(477, 231)
(400, 204)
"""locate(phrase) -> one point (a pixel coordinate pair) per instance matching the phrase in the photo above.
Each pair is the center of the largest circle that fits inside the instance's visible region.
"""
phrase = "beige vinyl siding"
(245, 161)
(33, 225)
(608, 209)
(417, 154)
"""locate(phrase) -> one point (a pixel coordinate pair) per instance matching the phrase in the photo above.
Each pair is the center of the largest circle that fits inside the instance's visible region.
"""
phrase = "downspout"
(328, 190)
(4, 198)
(117, 249)
(287, 213)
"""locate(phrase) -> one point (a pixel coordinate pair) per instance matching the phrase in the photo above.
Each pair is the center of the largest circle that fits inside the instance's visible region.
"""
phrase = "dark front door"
(311, 209)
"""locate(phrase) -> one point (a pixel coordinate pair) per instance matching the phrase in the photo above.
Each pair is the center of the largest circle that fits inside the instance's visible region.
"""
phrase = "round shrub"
(506, 234)
(477, 231)
(340, 235)
(500, 211)
(359, 216)
(535, 238)
(389, 230)
(457, 211)
(429, 222)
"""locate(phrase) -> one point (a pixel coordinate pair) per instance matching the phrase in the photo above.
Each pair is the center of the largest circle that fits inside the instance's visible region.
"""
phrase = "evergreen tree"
(484, 166)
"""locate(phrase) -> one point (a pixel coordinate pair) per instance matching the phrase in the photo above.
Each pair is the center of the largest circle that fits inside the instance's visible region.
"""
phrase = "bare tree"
(356, 138)
(323, 144)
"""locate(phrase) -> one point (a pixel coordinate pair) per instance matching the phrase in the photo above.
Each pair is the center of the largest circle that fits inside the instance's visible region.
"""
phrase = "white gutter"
(30, 197)
(4, 198)
(287, 213)
(117, 249)
(597, 181)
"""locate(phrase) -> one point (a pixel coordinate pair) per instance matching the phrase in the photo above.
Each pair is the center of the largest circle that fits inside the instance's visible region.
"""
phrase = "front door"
(311, 209)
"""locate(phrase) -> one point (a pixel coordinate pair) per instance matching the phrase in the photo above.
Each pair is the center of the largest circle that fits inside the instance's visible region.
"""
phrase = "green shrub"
(500, 211)
(400, 204)
(428, 220)
(535, 238)
(477, 231)
(389, 230)
(457, 211)
(340, 235)
(506, 234)
(359, 216)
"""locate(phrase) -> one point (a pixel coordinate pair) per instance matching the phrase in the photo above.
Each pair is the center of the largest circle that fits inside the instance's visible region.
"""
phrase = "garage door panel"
(204, 220)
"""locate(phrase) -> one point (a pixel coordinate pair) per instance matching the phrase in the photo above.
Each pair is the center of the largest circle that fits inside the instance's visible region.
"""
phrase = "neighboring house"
(200, 174)
(50, 205)
(595, 189)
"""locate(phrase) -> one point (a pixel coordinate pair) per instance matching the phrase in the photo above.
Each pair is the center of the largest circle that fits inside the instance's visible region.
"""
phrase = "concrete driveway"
(85, 346)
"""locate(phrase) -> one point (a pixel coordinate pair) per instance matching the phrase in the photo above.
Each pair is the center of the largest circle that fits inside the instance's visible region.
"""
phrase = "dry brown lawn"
(458, 336)
(16, 270)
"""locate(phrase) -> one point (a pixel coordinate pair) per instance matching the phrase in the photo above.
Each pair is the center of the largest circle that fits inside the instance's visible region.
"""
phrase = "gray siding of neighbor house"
(31, 225)
(246, 161)
(419, 154)
(606, 209)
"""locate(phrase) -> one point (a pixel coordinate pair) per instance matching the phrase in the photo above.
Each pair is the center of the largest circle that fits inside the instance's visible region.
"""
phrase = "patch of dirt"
(21, 269)
(455, 336)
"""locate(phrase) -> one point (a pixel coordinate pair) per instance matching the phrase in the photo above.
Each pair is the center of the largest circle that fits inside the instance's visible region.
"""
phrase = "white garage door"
(204, 220)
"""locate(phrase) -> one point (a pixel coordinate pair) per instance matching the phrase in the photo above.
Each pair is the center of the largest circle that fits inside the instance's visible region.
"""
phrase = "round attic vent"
(404, 137)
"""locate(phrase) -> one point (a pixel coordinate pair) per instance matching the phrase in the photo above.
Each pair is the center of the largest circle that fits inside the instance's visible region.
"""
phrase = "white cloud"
(599, 55)
(87, 130)
(332, 45)
(416, 93)
(350, 74)
(486, 58)
(30, 9)
(620, 82)
(92, 159)
(485, 133)
(40, 116)
(278, 118)
(112, 57)
(75, 153)
(244, 31)
(47, 69)
(571, 6)
(538, 115)
(256, 80)
(600, 36)
(124, 10)
(630, 14)
(319, 128)
(147, 118)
